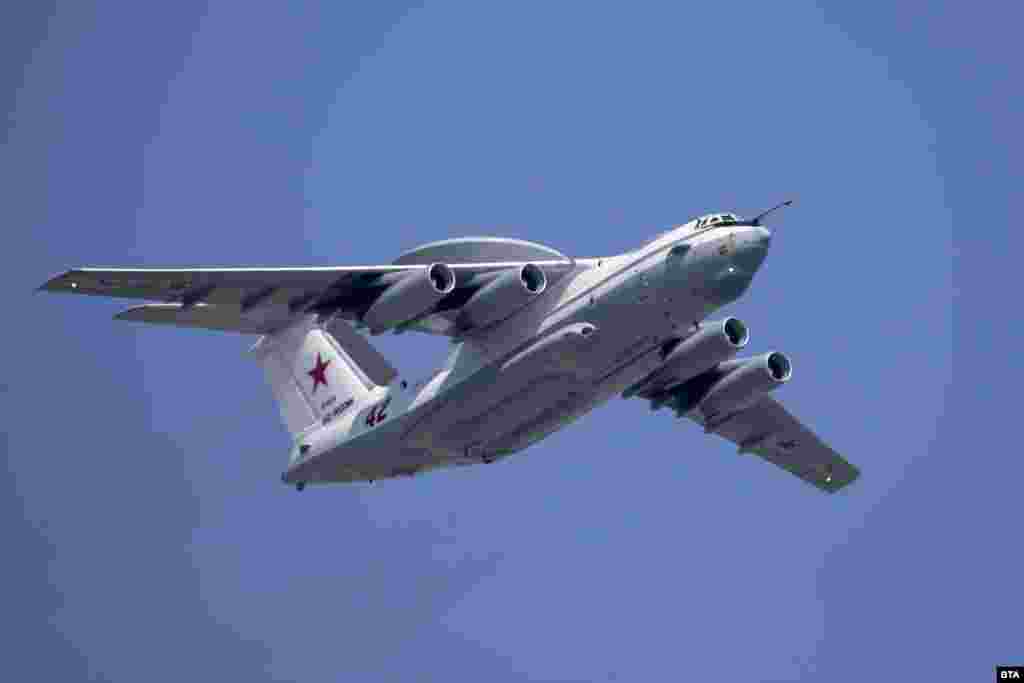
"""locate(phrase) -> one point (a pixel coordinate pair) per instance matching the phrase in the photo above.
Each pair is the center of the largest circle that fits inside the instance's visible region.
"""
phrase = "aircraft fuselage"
(594, 332)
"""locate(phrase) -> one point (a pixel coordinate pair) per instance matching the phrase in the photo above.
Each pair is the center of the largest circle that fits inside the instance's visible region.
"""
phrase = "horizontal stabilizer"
(205, 316)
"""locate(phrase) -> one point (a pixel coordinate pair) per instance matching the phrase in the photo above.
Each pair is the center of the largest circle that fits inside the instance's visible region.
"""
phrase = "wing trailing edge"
(205, 317)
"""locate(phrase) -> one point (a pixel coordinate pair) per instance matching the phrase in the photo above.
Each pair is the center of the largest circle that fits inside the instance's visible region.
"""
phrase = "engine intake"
(415, 294)
(779, 366)
(503, 296)
(736, 332)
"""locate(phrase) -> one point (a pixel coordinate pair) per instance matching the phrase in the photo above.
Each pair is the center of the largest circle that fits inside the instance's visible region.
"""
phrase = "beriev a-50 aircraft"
(539, 339)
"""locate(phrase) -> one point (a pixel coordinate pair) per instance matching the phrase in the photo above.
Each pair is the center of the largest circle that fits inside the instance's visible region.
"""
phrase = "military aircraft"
(539, 339)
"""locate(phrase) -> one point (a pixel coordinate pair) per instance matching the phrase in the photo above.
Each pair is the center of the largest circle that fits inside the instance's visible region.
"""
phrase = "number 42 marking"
(377, 413)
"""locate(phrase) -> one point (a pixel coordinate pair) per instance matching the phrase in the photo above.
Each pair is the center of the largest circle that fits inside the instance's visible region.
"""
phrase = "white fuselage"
(593, 333)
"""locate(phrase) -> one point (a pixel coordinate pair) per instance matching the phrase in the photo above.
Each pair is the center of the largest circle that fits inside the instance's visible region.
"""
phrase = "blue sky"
(147, 534)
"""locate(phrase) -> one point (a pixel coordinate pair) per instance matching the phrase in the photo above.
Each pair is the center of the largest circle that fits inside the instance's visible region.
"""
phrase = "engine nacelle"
(733, 385)
(503, 296)
(712, 344)
(416, 293)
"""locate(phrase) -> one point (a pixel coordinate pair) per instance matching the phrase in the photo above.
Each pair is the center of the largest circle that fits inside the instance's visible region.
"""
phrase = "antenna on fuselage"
(758, 217)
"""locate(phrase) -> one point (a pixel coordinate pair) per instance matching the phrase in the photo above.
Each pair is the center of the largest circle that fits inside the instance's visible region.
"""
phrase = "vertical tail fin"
(314, 378)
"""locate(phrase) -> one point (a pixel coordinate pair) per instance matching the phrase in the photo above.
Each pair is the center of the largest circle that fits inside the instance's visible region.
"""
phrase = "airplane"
(538, 340)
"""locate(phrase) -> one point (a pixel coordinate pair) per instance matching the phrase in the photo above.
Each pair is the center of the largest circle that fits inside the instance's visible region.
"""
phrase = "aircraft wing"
(259, 300)
(769, 431)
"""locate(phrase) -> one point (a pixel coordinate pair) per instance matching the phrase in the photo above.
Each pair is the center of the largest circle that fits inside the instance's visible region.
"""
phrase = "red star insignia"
(319, 372)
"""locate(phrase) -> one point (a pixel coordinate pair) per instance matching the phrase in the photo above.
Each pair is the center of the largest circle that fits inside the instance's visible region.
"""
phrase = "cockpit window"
(715, 219)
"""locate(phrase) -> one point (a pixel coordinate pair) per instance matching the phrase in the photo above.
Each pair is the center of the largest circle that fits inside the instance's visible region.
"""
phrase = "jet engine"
(713, 343)
(503, 296)
(416, 293)
(733, 385)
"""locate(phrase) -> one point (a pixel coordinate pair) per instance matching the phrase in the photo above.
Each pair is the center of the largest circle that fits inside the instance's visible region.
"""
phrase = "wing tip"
(841, 484)
(72, 281)
(62, 282)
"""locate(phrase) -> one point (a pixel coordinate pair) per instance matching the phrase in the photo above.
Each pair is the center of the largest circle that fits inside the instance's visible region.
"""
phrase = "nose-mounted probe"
(757, 219)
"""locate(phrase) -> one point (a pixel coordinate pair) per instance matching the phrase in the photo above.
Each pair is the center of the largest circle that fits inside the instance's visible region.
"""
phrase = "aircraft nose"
(753, 247)
(761, 236)
(740, 264)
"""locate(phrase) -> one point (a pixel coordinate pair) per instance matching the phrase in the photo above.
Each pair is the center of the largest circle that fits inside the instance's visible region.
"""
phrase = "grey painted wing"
(206, 317)
(770, 431)
(245, 287)
(254, 300)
